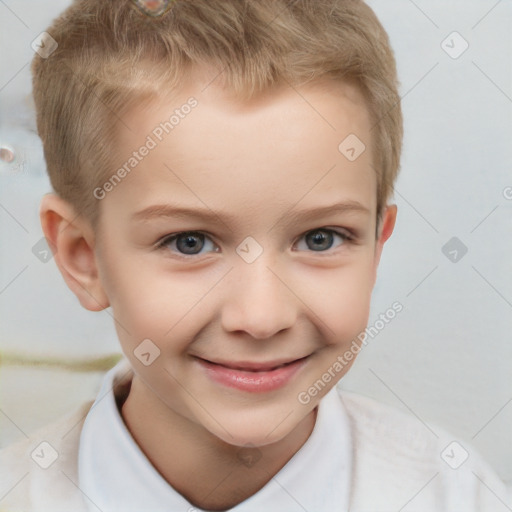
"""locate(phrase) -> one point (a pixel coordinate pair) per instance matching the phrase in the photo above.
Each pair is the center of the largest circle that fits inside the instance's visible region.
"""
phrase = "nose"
(259, 300)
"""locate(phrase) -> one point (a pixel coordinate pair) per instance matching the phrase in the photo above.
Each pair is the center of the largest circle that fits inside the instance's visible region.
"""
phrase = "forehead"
(285, 144)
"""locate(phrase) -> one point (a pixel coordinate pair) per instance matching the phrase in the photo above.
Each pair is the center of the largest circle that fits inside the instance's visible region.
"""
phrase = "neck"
(210, 473)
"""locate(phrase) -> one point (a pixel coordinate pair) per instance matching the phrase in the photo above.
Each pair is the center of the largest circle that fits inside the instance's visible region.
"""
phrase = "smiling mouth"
(253, 377)
(254, 367)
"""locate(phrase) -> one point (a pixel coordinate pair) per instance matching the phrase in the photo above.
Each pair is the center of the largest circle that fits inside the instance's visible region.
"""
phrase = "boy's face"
(216, 308)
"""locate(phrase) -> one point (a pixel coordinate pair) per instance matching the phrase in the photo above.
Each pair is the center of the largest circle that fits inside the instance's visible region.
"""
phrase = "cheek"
(342, 301)
(158, 305)
(135, 298)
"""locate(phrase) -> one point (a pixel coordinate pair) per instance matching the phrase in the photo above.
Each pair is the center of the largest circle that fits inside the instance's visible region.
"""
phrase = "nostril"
(6, 155)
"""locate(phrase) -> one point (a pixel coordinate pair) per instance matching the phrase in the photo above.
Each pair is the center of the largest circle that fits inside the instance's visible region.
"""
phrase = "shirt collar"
(114, 473)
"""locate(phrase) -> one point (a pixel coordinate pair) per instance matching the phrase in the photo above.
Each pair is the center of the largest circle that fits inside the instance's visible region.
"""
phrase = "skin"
(259, 162)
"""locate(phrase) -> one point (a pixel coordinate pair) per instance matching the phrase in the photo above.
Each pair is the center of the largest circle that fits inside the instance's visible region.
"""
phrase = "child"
(268, 133)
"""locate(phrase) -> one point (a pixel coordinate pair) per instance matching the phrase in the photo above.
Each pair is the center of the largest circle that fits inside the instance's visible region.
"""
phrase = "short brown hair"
(111, 54)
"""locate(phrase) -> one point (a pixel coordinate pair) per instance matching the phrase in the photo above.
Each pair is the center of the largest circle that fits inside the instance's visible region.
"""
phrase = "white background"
(446, 358)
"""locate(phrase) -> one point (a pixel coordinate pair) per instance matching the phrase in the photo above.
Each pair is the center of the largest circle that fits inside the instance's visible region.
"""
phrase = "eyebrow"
(171, 211)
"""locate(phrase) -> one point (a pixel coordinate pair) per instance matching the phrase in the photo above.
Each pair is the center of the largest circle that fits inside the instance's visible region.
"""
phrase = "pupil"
(321, 240)
(187, 243)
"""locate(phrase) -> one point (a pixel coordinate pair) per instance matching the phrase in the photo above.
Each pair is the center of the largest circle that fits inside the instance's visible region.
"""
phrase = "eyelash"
(347, 237)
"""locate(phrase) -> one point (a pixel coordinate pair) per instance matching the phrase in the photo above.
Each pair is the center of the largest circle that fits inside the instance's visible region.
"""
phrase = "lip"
(250, 376)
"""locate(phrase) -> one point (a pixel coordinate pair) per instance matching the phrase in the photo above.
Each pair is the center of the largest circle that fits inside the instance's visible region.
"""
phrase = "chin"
(265, 428)
(251, 438)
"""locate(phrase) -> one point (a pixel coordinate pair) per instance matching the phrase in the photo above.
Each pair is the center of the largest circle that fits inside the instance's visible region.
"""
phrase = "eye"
(194, 243)
(187, 243)
(322, 239)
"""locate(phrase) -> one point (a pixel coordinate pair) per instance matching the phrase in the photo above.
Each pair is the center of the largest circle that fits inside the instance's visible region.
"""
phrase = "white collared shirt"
(115, 475)
(361, 456)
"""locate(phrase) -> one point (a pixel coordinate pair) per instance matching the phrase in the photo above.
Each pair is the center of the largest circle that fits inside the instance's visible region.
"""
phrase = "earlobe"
(388, 223)
(386, 229)
(71, 239)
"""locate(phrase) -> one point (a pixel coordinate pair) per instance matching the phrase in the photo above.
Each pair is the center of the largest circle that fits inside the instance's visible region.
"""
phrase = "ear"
(386, 227)
(71, 240)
